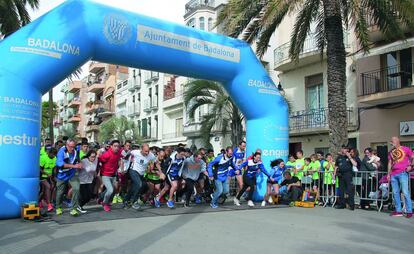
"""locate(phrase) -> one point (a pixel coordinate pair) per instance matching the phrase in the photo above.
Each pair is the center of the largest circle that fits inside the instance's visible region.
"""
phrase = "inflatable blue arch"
(43, 53)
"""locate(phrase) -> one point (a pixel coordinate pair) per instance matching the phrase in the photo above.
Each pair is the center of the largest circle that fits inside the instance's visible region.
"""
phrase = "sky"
(170, 10)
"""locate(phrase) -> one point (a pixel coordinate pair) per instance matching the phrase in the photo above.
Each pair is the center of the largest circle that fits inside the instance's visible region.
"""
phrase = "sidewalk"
(290, 230)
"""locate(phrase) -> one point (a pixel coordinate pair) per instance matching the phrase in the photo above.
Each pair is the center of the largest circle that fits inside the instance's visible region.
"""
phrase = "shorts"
(272, 182)
(171, 178)
(48, 179)
(232, 173)
(153, 181)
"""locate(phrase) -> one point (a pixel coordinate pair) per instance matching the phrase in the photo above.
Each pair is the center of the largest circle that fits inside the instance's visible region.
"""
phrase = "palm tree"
(257, 20)
(14, 14)
(223, 114)
(47, 116)
(119, 128)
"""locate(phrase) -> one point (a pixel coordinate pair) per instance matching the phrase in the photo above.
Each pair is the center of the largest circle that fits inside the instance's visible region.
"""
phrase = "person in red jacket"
(110, 162)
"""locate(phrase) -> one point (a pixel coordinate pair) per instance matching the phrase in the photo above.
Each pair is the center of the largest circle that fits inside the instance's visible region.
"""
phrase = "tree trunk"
(51, 116)
(336, 76)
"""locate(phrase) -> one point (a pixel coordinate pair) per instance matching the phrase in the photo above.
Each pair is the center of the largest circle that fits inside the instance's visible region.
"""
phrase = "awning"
(395, 46)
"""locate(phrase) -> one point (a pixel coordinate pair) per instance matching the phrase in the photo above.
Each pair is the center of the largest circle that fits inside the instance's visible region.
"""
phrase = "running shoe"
(140, 202)
(106, 207)
(81, 210)
(187, 205)
(49, 207)
(157, 203)
(67, 203)
(120, 199)
(136, 206)
(198, 199)
(214, 206)
(126, 205)
(250, 203)
(115, 199)
(170, 204)
(409, 215)
(263, 203)
(396, 214)
(236, 201)
(59, 211)
(74, 213)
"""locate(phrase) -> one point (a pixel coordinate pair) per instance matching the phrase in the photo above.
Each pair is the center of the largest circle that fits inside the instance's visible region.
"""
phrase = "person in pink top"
(110, 162)
(400, 163)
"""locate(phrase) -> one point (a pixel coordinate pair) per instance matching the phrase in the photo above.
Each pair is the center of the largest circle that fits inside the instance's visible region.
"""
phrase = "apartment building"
(386, 92)
(101, 87)
(305, 86)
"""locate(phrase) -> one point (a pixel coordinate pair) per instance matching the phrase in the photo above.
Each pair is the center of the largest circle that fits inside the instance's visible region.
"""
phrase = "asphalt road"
(282, 230)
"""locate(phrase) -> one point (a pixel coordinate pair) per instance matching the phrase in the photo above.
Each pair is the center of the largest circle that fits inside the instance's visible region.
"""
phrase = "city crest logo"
(116, 29)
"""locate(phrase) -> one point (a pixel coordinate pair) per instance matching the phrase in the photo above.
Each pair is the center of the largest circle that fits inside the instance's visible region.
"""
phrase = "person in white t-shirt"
(141, 159)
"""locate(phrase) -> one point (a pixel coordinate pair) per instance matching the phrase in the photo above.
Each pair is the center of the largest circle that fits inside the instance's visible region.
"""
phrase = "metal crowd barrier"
(371, 189)
(324, 183)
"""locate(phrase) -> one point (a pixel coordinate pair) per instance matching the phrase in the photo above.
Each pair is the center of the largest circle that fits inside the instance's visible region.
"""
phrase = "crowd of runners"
(77, 173)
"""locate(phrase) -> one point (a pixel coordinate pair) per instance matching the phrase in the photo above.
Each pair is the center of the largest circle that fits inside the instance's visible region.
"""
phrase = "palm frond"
(276, 13)
(360, 23)
(302, 27)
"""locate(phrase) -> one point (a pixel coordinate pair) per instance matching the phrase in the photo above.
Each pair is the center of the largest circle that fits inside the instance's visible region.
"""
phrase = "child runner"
(47, 166)
(276, 172)
(86, 176)
(299, 165)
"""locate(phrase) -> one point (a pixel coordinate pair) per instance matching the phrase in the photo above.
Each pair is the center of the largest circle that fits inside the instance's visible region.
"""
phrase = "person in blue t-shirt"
(276, 172)
(218, 171)
(239, 156)
(67, 163)
(253, 166)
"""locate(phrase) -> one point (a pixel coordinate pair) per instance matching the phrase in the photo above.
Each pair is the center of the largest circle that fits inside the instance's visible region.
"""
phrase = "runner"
(122, 181)
(173, 177)
(276, 172)
(110, 162)
(239, 156)
(47, 143)
(86, 176)
(47, 167)
(141, 158)
(253, 166)
(154, 177)
(67, 162)
(192, 168)
(218, 171)
(84, 148)
(291, 164)
(210, 156)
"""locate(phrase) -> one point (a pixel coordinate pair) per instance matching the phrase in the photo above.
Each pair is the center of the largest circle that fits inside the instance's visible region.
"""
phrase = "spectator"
(401, 160)
(291, 188)
(367, 169)
(344, 164)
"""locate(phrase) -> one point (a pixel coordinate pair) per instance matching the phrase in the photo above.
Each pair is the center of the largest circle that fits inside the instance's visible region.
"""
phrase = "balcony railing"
(281, 53)
(315, 119)
(172, 135)
(173, 94)
(154, 102)
(134, 109)
(147, 105)
(387, 79)
(195, 4)
(151, 76)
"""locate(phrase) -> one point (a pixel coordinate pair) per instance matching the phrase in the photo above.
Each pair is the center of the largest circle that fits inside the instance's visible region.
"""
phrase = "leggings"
(247, 182)
(86, 193)
(189, 189)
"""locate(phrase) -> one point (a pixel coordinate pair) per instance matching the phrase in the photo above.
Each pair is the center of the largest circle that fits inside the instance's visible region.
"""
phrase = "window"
(139, 97)
(325, 150)
(202, 23)
(144, 128)
(179, 127)
(191, 23)
(156, 90)
(409, 144)
(119, 86)
(314, 92)
(210, 24)
(150, 92)
(133, 99)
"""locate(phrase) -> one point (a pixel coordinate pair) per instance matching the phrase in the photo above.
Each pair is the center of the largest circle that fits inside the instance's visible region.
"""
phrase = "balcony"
(96, 87)
(154, 102)
(75, 102)
(147, 105)
(92, 106)
(194, 5)
(104, 111)
(92, 128)
(134, 109)
(74, 86)
(153, 76)
(96, 67)
(74, 119)
(310, 54)
(315, 121)
(133, 85)
(389, 85)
